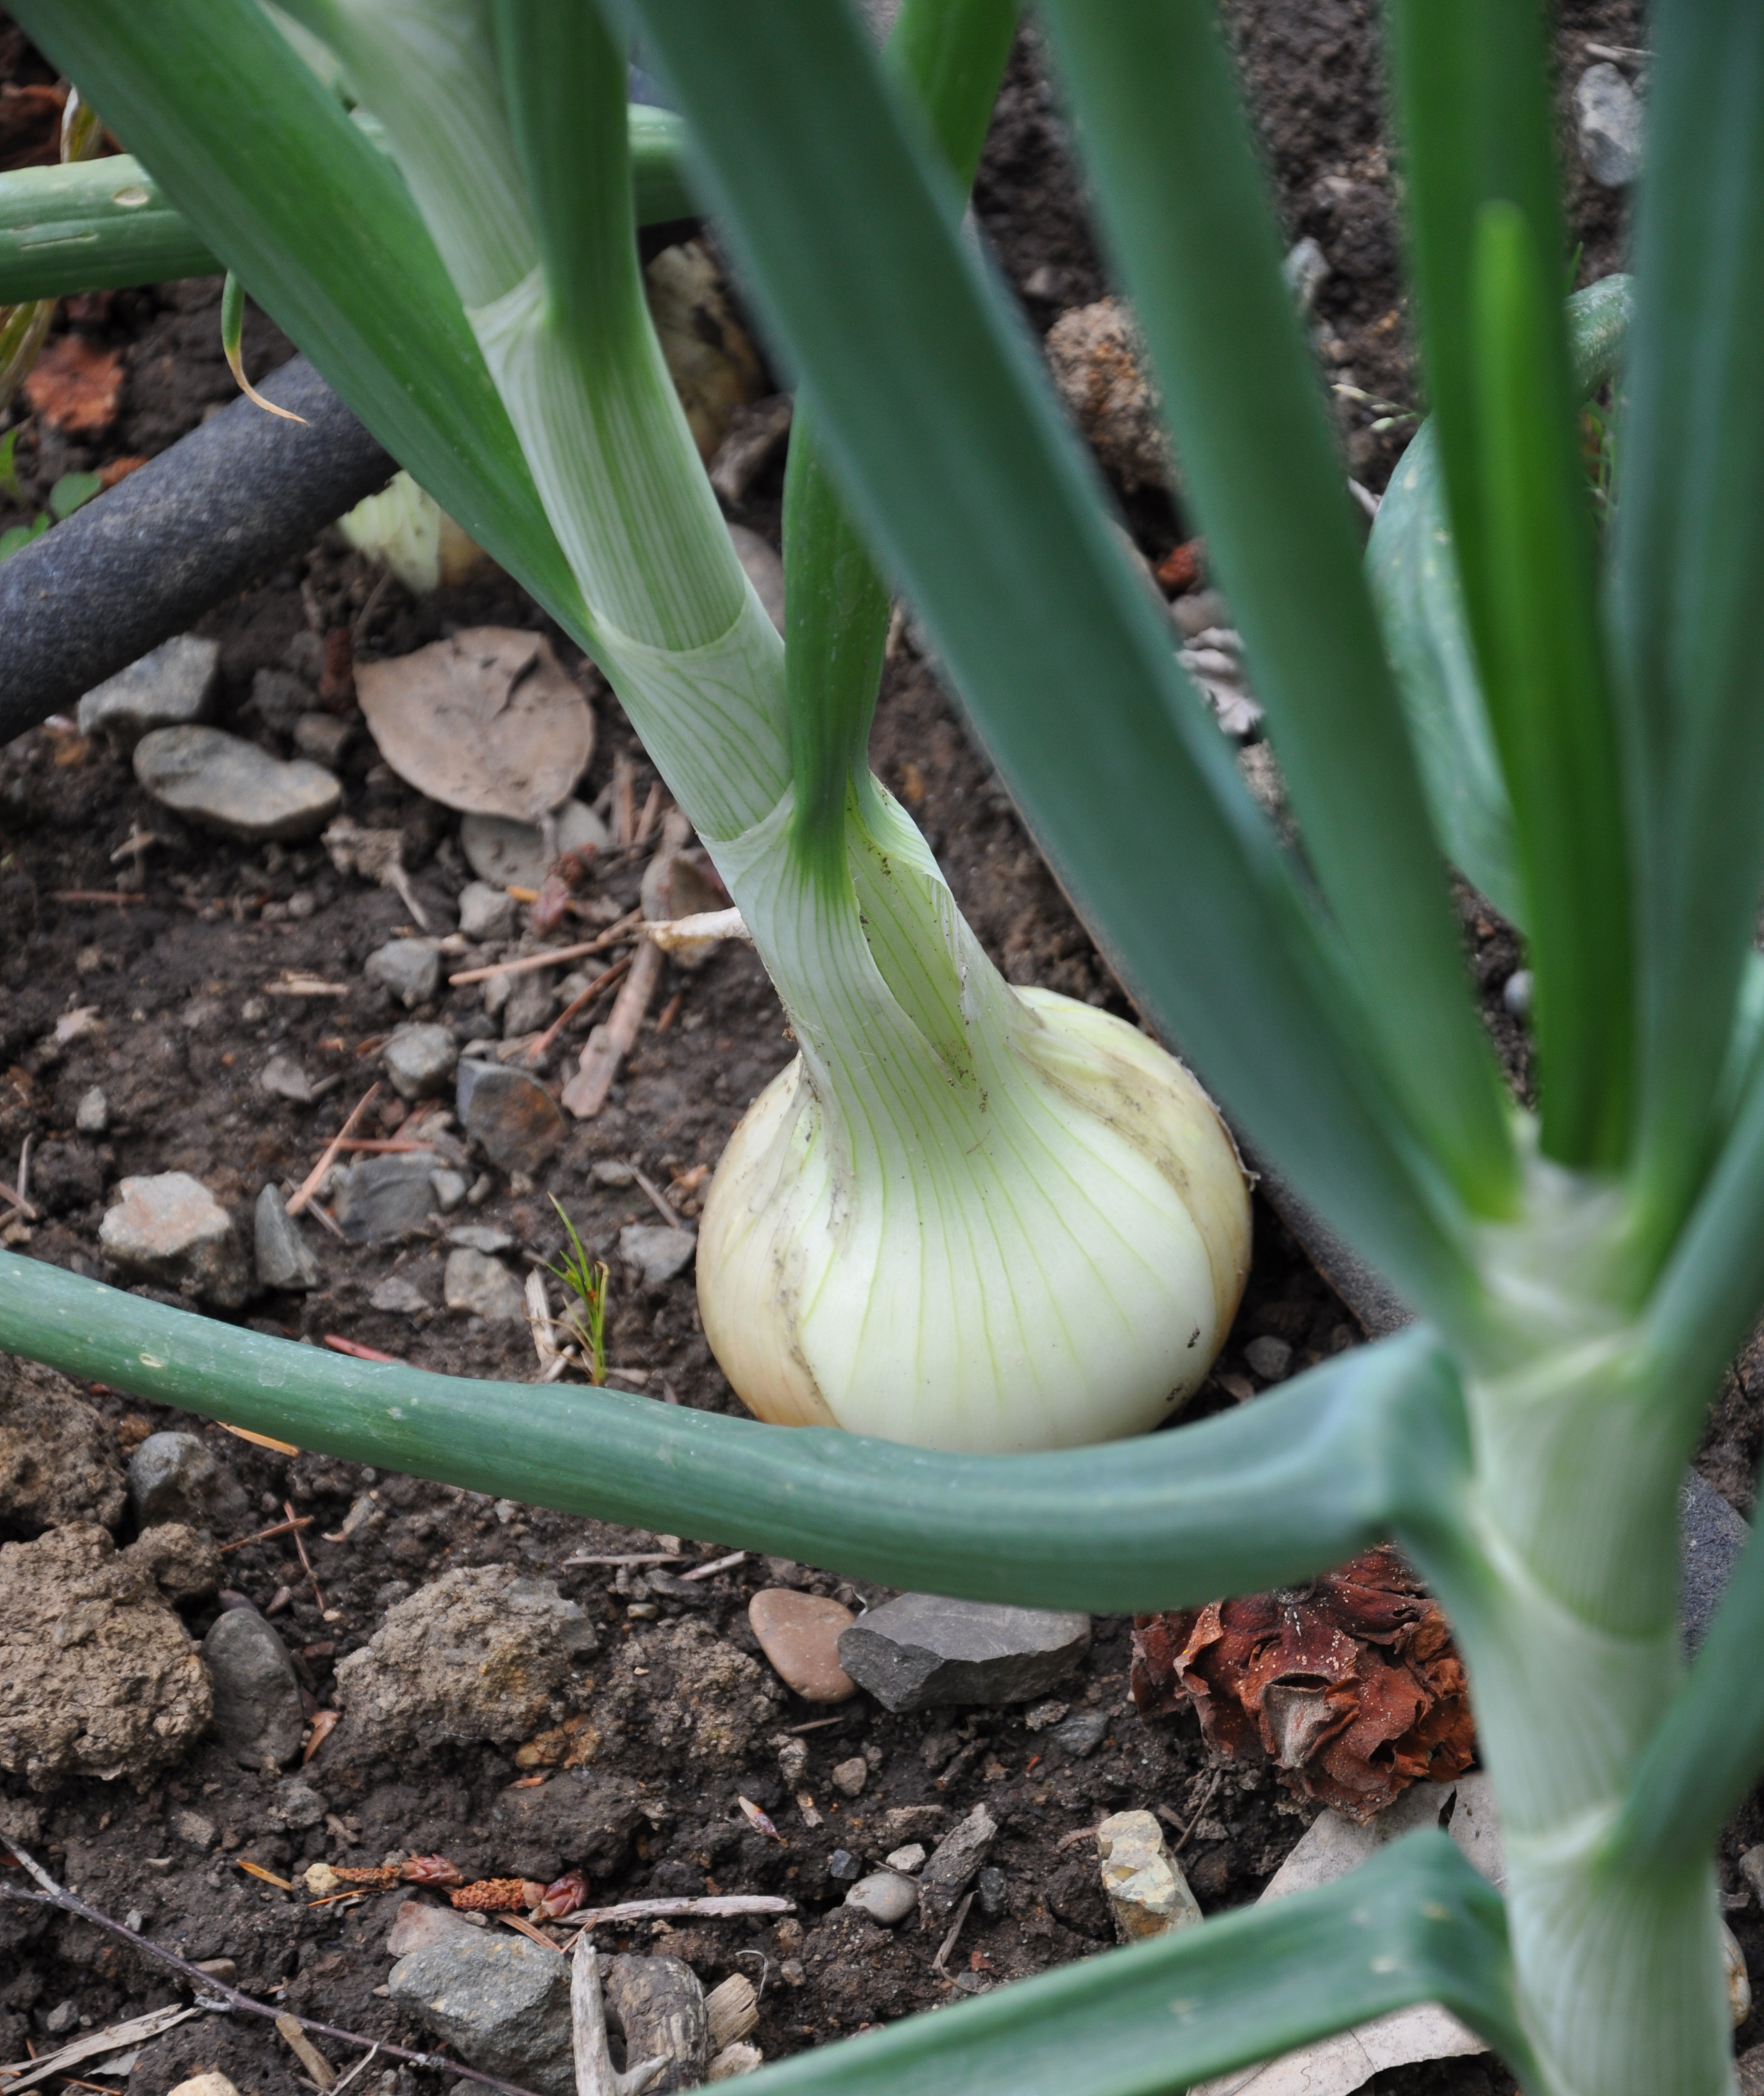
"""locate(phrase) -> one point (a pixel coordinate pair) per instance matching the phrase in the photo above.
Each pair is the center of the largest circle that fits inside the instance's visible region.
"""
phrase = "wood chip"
(306, 2052)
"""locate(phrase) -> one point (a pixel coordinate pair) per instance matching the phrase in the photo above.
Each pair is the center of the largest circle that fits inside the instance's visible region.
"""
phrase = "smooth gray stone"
(383, 1197)
(920, 1649)
(258, 1714)
(485, 911)
(502, 2002)
(173, 1476)
(1711, 1536)
(479, 1286)
(885, 1896)
(285, 1259)
(421, 1060)
(504, 852)
(399, 1293)
(223, 783)
(1081, 1734)
(172, 687)
(409, 968)
(513, 1118)
(1608, 122)
(481, 1237)
(657, 1252)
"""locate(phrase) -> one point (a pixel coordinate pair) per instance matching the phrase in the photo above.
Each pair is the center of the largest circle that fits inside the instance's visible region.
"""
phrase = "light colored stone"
(170, 1228)
(502, 2002)
(850, 1776)
(324, 737)
(399, 1293)
(92, 1114)
(449, 1188)
(477, 1286)
(418, 1924)
(886, 1896)
(906, 1860)
(656, 1252)
(506, 853)
(734, 2061)
(1147, 1893)
(224, 785)
(409, 968)
(172, 687)
(919, 1650)
(206, 2084)
(282, 1077)
(482, 1237)
(285, 1259)
(421, 1060)
(487, 912)
(1268, 1356)
(799, 1634)
(1607, 121)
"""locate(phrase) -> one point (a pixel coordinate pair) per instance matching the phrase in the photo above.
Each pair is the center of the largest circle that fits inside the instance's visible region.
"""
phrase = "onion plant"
(1581, 1272)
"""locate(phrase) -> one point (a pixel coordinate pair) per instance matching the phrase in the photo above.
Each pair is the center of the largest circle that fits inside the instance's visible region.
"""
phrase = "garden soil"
(180, 1010)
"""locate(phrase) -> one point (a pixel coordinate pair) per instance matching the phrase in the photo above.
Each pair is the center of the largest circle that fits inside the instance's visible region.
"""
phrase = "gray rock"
(296, 1804)
(285, 1259)
(420, 1060)
(1081, 1734)
(531, 1002)
(449, 1189)
(184, 1563)
(170, 1228)
(324, 737)
(479, 1286)
(1711, 1536)
(282, 1077)
(196, 1830)
(1306, 270)
(174, 1476)
(409, 968)
(258, 1714)
(486, 912)
(173, 687)
(919, 1649)
(955, 1862)
(419, 1924)
(58, 1461)
(1268, 1356)
(994, 1890)
(502, 2002)
(506, 853)
(279, 698)
(885, 1896)
(92, 1114)
(231, 787)
(61, 2019)
(656, 1252)
(481, 1237)
(515, 1120)
(378, 1199)
(1607, 121)
(400, 1294)
(843, 1864)
(578, 1821)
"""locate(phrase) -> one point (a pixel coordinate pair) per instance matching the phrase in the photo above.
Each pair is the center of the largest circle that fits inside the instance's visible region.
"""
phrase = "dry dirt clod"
(97, 1675)
(57, 1463)
(1098, 366)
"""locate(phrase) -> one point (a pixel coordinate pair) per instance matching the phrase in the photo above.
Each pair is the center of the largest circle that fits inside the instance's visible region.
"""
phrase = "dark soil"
(182, 988)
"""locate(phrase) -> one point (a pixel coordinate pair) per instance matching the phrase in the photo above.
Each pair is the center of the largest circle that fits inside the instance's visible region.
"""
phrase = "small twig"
(94, 895)
(716, 1564)
(11, 1195)
(596, 2074)
(315, 1178)
(553, 957)
(650, 817)
(361, 2066)
(264, 1534)
(537, 1046)
(299, 1544)
(819, 1724)
(632, 1557)
(722, 1906)
(340, 1345)
(942, 1958)
(520, 1923)
(1194, 1819)
(657, 1199)
(288, 2029)
(613, 1041)
(214, 1993)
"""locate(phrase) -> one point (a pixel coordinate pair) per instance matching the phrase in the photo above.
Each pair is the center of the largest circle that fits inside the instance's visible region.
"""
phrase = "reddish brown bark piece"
(1349, 1685)
(76, 386)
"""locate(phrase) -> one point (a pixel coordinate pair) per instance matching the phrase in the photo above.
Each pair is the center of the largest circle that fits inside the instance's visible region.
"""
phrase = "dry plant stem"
(316, 1177)
(657, 1199)
(722, 1907)
(298, 1521)
(306, 1562)
(609, 1044)
(706, 924)
(553, 956)
(941, 1959)
(216, 1992)
(596, 2074)
(288, 2029)
(607, 976)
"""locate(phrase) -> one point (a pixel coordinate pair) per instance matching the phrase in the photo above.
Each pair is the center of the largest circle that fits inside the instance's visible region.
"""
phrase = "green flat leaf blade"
(1260, 1496)
(968, 487)
(91, 225)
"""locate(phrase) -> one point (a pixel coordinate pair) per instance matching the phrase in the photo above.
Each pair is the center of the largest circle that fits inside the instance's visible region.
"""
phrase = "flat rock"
(655, 1251)
(172, 687)
(514, 1119)
(919, 1650)
(419, 1923)
(885, 1896)
(578, 1821)
(170, 1228)
(486, 911)
(480, 1653)
(58, 1458)
(378, 1199)
(283, 1078)
(502, 2002)
(223, 783)
(955, 1862)
(98, 1677)
(258, 1714)
(799, 1634)
(482, 1237)
(1608, 122)
(507, 853)
(399, 1293)
(174, 1476)
(285, 1259)
(421, 1060)
(409, 968)
(480, 1286)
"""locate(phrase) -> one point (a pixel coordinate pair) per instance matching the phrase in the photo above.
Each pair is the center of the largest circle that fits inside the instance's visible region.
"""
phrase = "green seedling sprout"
(586, 1278)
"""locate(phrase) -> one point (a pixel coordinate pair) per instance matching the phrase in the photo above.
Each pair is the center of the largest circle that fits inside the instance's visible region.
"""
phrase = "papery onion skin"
(1068, 1280)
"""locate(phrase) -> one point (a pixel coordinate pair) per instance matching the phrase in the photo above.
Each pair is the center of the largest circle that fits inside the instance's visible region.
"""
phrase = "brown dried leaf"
(488, 722)
(76, 386)
(1349, 1685)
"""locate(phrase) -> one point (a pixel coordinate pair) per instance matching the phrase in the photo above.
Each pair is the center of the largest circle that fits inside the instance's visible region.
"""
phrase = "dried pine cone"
(375, 1877)
(562, 1896)
(430, 1871)
(498, 1895)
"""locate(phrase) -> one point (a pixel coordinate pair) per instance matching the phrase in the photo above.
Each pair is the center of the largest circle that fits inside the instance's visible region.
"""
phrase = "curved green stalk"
(1257, 1497)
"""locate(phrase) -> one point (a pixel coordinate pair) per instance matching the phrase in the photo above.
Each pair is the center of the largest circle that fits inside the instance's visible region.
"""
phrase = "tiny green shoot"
(9, 471)
(231, 336)
(586, 1279)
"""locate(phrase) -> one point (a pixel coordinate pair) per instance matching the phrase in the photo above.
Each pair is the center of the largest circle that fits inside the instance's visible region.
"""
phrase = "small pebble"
(994, 1891)
(1270, 1357)
(383, 1197)
(324, 737)
(172, 687)
(906, 1860)
(409, 968)
(486, 912)
(421, 1060)
(284, 1257)
(92, 1114)
(611, 1172)
(482, 1237)
(61, 2019)
(843, 1864)
(1082, 1735)
(513, 1118)
(221, 782)
(1608, 114)
(850, 1776)
(792, 1758)
(476, 1285)
(799, 1634)
(656, 1252)
(282, 1077)
(449, 1188)
(169, 1228)
(1516, 993)
(885, 1896)
(924, 1649)
(1044, 1714)
(401, 1295)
